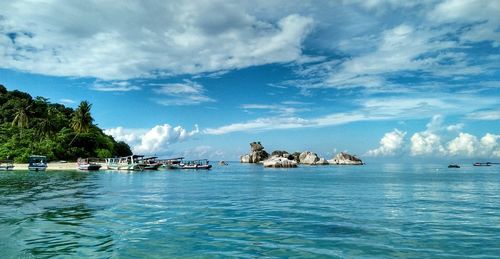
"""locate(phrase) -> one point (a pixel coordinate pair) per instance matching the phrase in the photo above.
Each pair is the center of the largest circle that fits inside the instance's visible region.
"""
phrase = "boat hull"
(89, 167)
(6, 168)
(37, 168)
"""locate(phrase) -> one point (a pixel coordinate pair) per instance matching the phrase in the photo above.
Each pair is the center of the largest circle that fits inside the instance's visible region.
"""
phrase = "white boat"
(88, 164)
(6, 165)
(37, 163)
(190, 164)
(150, 163)
(134, 162)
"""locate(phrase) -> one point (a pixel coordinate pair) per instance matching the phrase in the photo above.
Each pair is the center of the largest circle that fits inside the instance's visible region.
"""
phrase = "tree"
(21, 118)
(81, 121)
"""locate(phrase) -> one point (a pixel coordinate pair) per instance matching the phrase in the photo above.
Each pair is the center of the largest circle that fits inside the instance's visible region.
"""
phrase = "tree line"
(36, 126)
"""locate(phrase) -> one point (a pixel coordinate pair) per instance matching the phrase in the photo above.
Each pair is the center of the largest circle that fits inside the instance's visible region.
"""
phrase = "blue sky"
(380, 79)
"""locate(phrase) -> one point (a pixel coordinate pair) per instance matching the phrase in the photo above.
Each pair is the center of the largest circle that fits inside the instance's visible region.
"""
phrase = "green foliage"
(35, 126)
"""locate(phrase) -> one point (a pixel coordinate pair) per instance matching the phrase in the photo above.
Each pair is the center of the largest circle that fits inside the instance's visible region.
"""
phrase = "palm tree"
(20, 118)
(82, 119)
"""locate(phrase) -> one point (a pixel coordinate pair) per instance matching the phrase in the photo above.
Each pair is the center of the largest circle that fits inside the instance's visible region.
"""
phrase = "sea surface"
(242, 210)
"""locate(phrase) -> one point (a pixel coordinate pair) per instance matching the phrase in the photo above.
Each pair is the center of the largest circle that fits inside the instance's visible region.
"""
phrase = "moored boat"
(6, 165)
(194, 164)
(150, 163)
(37, 163)
(453, 166)
(89, 164)
(133, 162)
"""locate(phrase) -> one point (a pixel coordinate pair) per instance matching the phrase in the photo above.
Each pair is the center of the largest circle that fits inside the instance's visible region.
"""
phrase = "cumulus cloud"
(156, 139)
(439, 140)
(468, 145)
(426, 143)
(186, 93)
(390, 144)
(63, 38)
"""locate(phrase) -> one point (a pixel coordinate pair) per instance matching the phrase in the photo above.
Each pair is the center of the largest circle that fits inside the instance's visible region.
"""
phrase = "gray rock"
(279, 162)
(257, 154)
(245, 159)
(345, 159)
(308, 158)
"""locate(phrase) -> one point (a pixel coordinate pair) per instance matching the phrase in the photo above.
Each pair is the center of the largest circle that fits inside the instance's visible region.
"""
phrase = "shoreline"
(54, 166)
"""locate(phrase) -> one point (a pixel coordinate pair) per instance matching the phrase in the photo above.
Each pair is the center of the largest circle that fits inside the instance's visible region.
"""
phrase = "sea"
(247, 211)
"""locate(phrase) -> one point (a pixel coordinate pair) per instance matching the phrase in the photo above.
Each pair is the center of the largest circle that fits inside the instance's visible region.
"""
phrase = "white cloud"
(482, 14)
(287, 108)
(489, 115)
(438, 140)
(464, 144)
(114, 86)
(149, 141)
(468, 145)
(143, 39)
(130, 136)
(426, 143)
(187, 93)
(390, 144)
(420, 106)
(66, 101)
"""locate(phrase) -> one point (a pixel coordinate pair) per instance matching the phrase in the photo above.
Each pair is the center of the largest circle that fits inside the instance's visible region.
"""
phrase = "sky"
(385, 80)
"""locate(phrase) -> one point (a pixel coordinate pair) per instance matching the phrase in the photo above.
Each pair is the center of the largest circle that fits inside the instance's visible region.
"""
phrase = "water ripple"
(244, 211)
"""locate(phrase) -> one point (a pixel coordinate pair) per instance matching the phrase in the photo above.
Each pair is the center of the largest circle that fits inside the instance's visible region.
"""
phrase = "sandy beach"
(51, 166)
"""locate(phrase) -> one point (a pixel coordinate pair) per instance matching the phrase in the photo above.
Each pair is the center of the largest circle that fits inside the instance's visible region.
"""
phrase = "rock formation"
(345, 159)
(308, 158)
(279, 162)
(282, 153)
(257, 154)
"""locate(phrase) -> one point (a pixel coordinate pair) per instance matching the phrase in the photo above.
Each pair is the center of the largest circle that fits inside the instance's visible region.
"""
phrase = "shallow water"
(385, 210)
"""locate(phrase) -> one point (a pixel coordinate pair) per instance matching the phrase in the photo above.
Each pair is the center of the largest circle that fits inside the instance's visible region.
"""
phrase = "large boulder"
(279, 162)
(245, 159)
(308, 158)
(343, 158)
(257, 154)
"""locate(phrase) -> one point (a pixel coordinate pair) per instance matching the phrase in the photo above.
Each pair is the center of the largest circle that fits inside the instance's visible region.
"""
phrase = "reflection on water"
(387, 210)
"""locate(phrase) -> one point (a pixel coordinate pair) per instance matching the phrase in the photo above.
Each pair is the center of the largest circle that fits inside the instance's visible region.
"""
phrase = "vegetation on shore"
(36, 126)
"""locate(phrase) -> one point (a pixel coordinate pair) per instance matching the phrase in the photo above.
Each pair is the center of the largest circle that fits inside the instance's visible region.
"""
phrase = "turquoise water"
(385, 210)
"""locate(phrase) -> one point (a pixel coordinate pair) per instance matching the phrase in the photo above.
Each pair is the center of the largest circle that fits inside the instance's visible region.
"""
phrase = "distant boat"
(453, 166)
(179, 163)
(89, 164)
(133, 163)
(37, 163)
(482, 164)
(6, 165)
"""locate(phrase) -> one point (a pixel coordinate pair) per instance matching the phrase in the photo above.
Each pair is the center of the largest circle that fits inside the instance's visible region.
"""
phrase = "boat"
(133, 163)
(6, 165)
(482, 164)
(194, 164)
(170, 163)
(150, 163)
(89, 164)
(453, 166)
(37, 163)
